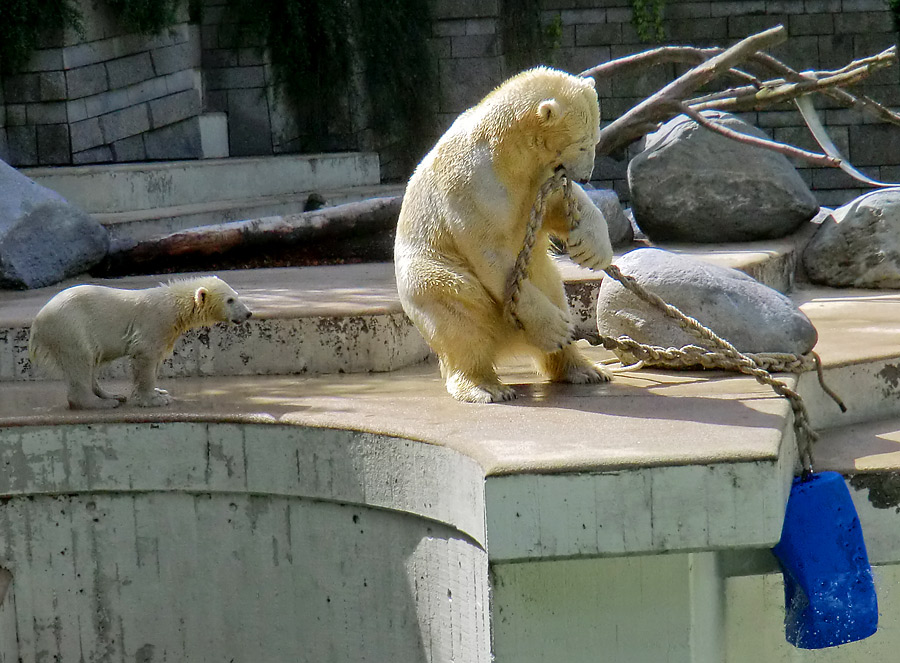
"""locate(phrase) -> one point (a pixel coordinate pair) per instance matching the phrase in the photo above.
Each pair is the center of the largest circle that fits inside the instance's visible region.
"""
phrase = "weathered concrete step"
(689, 461)
(868, 455)
(858, 331)
(110, 189)
(142, 224)
(327, 319)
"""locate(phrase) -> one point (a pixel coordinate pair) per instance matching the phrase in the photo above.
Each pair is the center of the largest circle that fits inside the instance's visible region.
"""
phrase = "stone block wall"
(239, 81)
(106, 95)
(823, 34)
(110, 96)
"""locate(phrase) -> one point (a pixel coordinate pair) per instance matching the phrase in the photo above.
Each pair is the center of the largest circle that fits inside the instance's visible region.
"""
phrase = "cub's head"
(562, 116)
(215, 300)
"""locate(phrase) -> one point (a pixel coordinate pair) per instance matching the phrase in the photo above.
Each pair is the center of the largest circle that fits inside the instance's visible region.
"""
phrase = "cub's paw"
(96, 403)
(465, 390)
(153, 399)
(102, 393)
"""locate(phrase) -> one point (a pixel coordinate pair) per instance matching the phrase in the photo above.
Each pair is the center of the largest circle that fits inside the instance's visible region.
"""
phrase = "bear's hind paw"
(586, 374)
(94, 404)
(481, 393)
(154, 399)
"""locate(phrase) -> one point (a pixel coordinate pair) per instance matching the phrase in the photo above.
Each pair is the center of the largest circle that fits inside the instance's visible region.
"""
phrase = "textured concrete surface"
(311, 498)
(697, 418)
(306, 320)
(142, 224)
(127, 187)
(196, 542)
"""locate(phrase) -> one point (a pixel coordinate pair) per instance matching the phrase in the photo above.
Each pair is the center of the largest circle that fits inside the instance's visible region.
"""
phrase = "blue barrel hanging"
(828, 586)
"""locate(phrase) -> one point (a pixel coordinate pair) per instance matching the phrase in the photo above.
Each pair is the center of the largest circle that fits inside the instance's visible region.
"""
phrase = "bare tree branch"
(787, 150)
(773, 92)
(861, 103)
(749, 95)
(658, 107)
(659, 56)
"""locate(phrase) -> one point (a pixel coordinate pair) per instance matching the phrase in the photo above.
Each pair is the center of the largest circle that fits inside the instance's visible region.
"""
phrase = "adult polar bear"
(463, 223)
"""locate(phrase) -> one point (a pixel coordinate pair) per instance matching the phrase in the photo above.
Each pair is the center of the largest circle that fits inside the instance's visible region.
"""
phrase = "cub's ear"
(590, 81)
(200, 296)
(549, 111)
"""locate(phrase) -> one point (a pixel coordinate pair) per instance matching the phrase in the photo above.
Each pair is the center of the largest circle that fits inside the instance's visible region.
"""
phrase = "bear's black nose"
(249, 315)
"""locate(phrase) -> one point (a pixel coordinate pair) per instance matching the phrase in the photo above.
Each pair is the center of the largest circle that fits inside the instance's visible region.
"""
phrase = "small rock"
(749, 315)
(693, 185)
(858, 245)
(43, 239)
(606, 200)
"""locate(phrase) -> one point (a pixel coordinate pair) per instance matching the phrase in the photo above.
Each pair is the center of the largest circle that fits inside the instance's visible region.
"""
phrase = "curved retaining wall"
(238, 542)
(263, 346)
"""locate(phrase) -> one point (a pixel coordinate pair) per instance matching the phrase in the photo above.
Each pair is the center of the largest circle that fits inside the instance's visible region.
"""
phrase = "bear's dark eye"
(230, 300)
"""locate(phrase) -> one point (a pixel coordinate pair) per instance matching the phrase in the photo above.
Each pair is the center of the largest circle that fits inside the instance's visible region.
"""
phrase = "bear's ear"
(590, 81)
(200, 296)
(549, 111)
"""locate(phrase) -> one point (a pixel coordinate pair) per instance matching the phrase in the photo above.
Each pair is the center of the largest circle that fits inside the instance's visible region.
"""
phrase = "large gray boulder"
(751, 316)
(692, 185)
(43, 239)
(858, 245)
(620, 231)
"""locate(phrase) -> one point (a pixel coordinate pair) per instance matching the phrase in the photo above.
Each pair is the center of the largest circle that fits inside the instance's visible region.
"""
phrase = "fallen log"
(267, 241)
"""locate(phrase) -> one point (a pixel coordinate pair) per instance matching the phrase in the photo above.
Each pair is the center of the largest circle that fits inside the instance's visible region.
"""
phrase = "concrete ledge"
(120, 188)
(238, 542)
(142, 224)
(685, 445)
(306, 320)
(257, 459)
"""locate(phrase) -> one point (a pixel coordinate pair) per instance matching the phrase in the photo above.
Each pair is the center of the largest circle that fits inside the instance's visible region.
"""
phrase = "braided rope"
(727, 357)
(520, 271)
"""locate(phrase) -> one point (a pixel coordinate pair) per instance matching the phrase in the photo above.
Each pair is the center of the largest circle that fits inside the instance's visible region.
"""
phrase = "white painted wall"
(754, 623)
(186, 577)
(217, 542)
(610, 610)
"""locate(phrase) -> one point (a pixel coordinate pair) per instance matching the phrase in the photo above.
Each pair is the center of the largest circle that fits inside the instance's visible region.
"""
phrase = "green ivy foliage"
(310, 44)
(22, 22)
(894, 6)
(400, 75)
(647, 19)
(145, 16)
(306, 41)
(526, 41)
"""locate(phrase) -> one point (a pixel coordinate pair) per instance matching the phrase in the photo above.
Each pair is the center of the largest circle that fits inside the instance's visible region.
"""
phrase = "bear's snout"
(241, 317)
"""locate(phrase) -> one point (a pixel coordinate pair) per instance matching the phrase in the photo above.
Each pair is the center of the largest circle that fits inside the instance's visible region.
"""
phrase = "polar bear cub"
(87, 325)
(463, 222)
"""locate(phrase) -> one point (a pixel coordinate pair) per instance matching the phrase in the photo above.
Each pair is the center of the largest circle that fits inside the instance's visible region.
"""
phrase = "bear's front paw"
(153, 399)
(589, 246)
(550, 332)
(546, 326)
